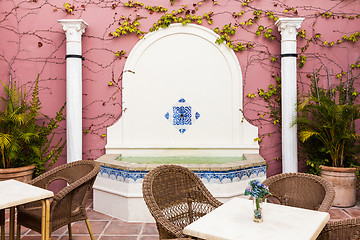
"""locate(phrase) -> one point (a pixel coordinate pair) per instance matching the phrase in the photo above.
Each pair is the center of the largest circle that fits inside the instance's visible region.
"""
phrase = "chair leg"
(70, 232)
(2, 232)
(2, 223)
(18, 232)
(89, 229)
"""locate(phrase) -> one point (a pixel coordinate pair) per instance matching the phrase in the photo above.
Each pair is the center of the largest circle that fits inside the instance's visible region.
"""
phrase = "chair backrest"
(69, 204)
(176, 197)
(69, 172)
(302, 190)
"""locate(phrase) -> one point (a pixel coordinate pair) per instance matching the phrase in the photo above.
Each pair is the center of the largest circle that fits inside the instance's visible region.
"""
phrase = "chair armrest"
(275, 199)
(343, 229)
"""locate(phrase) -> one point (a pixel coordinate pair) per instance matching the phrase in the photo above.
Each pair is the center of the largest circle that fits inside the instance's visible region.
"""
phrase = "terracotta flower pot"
(23, 174)
(344, 183)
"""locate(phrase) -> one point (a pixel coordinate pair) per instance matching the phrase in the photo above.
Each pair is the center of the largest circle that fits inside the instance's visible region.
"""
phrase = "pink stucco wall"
(32, 42)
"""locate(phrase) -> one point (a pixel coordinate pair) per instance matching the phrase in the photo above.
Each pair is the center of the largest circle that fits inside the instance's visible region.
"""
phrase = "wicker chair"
(348, 229)
(69, 204)
(302, 190)
(176, 197)
(2, 224)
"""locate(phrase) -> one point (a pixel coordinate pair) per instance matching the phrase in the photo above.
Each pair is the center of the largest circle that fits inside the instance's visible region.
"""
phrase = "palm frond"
(305, 135)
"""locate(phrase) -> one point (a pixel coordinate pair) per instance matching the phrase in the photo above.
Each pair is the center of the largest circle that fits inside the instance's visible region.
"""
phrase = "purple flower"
(256, 189)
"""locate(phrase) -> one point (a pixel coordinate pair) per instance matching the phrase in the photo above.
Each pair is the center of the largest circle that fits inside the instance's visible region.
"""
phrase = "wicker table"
(234, 220)
(14, 193)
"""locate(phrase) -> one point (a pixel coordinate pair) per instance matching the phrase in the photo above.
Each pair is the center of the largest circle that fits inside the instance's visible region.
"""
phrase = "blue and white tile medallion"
(182, 116)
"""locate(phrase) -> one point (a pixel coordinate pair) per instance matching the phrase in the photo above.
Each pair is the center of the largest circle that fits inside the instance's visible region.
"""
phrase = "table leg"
(45, 220)
(12, 223)
(43, 227)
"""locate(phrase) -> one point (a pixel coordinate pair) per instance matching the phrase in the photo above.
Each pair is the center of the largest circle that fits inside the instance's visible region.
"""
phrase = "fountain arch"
(181, 67)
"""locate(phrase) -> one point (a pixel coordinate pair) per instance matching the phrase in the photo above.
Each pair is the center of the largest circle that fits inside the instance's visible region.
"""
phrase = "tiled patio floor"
(108, 228)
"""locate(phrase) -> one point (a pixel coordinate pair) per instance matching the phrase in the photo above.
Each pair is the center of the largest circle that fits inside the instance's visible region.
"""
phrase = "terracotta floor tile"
(60, 231)
(150, 229)
(7, 213)
(32, 232)
(89, 203)
(78, 237)
(30, 238)
(149, 238)
(96, 226)
(94, 215)
(119, 238)
(123, 228)
(56, 233)
(7, 228)
(337, 214)
(353, 212)
(23, 229)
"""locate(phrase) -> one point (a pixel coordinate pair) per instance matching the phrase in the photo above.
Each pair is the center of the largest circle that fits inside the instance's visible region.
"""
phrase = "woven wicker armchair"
(2, 224)
(348, 229)
(302, 190)
(176, 197)
(69, 204)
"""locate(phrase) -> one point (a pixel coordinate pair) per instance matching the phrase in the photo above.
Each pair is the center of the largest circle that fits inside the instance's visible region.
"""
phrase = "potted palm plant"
(26, 135)
(326, 122)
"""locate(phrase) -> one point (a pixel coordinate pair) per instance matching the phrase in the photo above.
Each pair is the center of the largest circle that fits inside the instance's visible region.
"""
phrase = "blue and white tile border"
(230, 176)
(122, 175)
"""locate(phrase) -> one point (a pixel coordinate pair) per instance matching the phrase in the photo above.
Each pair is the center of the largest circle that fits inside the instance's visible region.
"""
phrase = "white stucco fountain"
(182, 104)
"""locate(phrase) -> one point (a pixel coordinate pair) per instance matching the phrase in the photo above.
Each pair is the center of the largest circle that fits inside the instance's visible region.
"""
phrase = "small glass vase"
(258, 214)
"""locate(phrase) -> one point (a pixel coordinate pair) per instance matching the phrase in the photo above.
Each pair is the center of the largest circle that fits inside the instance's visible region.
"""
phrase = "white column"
(287, 28)
(73, 28)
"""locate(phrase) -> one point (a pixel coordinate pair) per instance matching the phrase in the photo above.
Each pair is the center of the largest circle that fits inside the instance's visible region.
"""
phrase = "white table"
(14, 193)
(234, 220)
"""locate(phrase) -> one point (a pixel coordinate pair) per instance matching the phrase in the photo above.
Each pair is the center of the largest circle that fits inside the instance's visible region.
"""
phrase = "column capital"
(73, 28)
(287, 27)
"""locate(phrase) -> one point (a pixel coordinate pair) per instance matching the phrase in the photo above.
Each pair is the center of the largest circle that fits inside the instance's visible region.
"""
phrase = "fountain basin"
(118, 187)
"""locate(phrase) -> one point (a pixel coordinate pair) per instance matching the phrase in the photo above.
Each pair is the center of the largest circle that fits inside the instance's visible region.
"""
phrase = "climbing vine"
(328, 37)
(128, 26)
